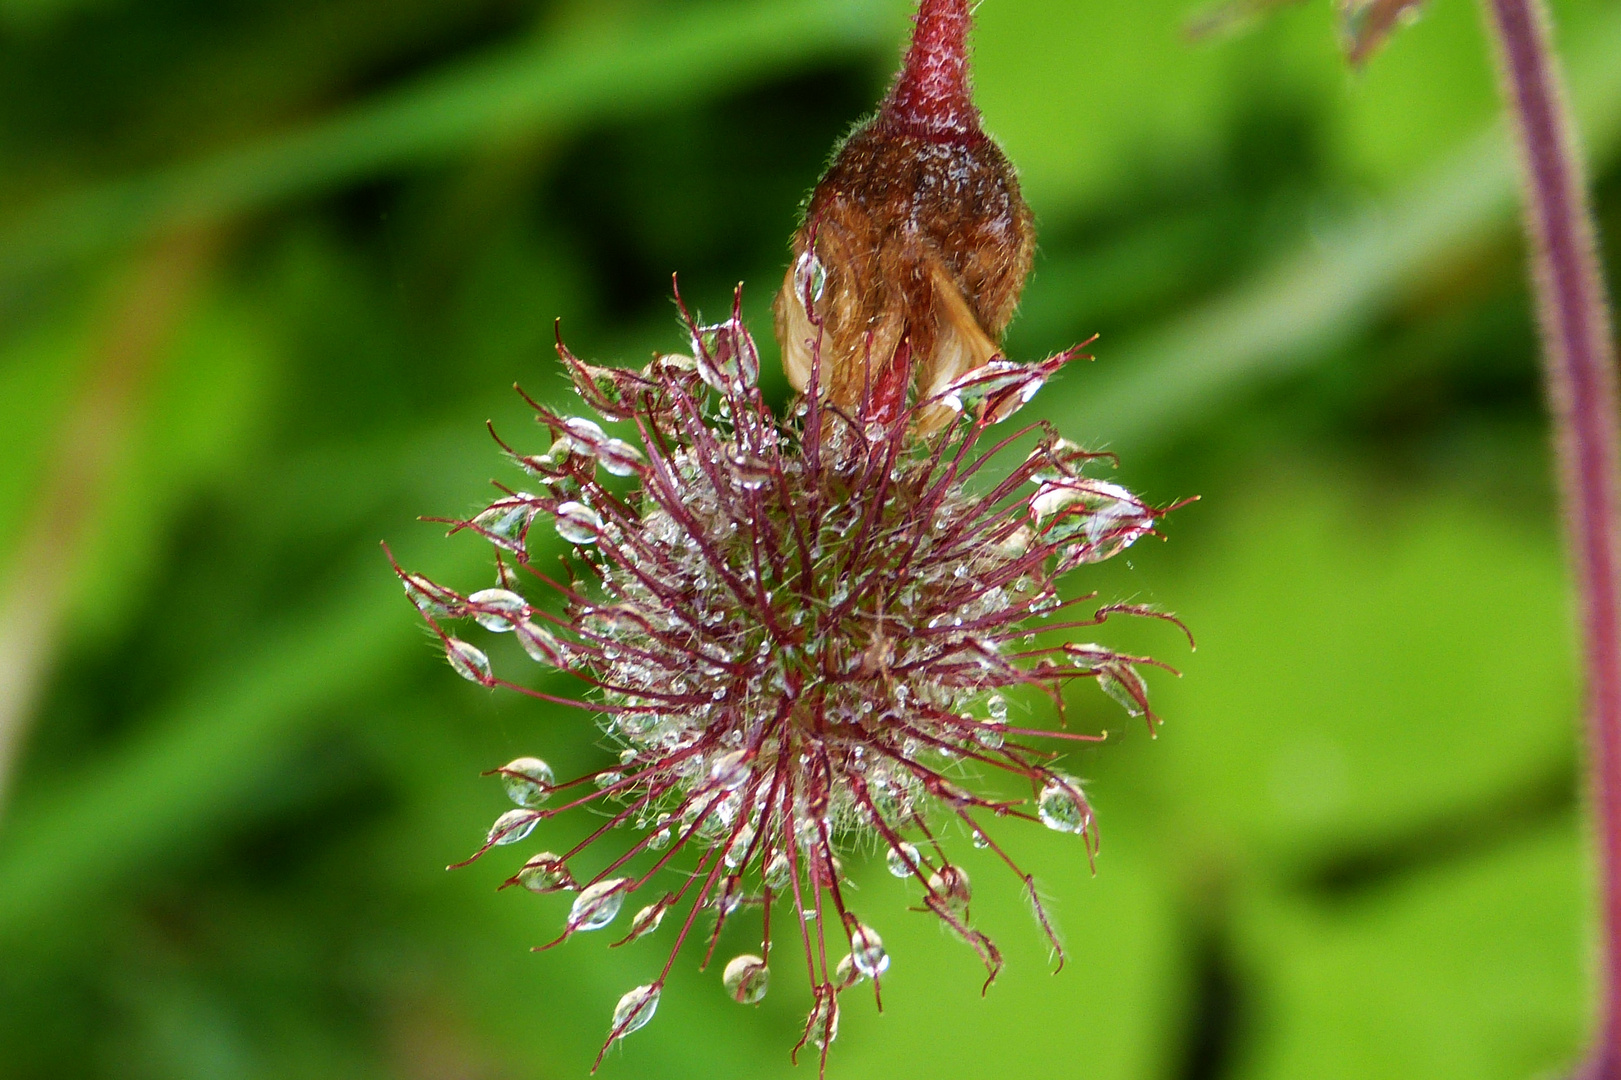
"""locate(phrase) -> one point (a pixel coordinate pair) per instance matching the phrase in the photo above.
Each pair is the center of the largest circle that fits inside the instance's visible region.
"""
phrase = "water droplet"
(845, 974)
(867, 951)
(777, 872)
(901, 859)
(823, 1025)
(951, 889)
(1060, 806)
(586, 431)
(503, 607)
(512, 826)
(428, 598)
(996, 708)
(620, 457)
(730, 896)
(979, 840)
(746, 979)
(739, 847)
(541, 645)
(634, 1010)
(1120, 681)
(578, 523)
(753, 472)
(597, 904)
(646, 921)
(528, 780)
(468, 661)
(730, 771)
(726, 356)
(546, 873)
(503, 524)
(810, 278)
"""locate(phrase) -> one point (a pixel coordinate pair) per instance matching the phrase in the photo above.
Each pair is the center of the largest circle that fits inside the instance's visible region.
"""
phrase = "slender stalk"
(1580, 361)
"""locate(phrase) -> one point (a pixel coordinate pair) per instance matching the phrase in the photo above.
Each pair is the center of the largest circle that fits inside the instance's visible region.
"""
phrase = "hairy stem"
(1580, 362)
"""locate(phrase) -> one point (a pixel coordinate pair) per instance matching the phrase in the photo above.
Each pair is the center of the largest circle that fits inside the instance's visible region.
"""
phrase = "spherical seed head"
(801, 631)
(917, 236)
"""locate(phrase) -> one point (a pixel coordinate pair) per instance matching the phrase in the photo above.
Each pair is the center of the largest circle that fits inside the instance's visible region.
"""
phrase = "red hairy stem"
(931, 93)
(1580, 362)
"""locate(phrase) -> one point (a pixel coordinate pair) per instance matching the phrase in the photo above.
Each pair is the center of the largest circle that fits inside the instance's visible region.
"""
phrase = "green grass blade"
(550, 85)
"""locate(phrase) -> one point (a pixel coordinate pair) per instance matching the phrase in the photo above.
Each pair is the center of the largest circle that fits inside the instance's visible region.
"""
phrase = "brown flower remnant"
(918, 238)
(800, 631)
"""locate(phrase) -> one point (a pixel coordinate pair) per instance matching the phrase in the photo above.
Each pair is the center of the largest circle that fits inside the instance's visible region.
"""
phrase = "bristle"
(932, 92)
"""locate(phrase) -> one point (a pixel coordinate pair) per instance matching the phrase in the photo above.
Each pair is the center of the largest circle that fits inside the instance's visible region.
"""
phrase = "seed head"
(801, 632)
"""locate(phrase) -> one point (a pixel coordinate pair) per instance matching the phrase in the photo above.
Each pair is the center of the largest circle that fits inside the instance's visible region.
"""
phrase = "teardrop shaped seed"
(528, 781)
(546, 873)
(634, 1010)
(746, 979)
(901, 859)
(845, 974)
(867, 951)
(512, 826)
(505, 607)
(1059, 806)
(597, 905)
(578, 523)
(468, 661)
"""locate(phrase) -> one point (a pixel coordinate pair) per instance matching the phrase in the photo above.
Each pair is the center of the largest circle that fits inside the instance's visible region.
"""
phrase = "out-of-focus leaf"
(547, 86)
(176, 784)
(1367, 664)
(1474, 971)
(1283, 318)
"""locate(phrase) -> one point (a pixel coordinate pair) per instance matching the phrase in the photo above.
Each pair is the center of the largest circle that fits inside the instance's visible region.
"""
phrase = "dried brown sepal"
(915, 243)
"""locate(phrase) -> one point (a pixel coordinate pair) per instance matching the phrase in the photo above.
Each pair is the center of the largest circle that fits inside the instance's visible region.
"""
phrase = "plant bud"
(915, 243)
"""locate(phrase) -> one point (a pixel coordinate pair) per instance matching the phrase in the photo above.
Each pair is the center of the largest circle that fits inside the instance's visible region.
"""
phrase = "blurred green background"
(266, 266)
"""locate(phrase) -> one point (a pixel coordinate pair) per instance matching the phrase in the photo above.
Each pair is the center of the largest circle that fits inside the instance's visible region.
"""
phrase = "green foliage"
(1354, 851)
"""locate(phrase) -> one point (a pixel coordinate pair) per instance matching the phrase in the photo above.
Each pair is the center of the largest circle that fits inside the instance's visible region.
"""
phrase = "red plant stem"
(1580, 361)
